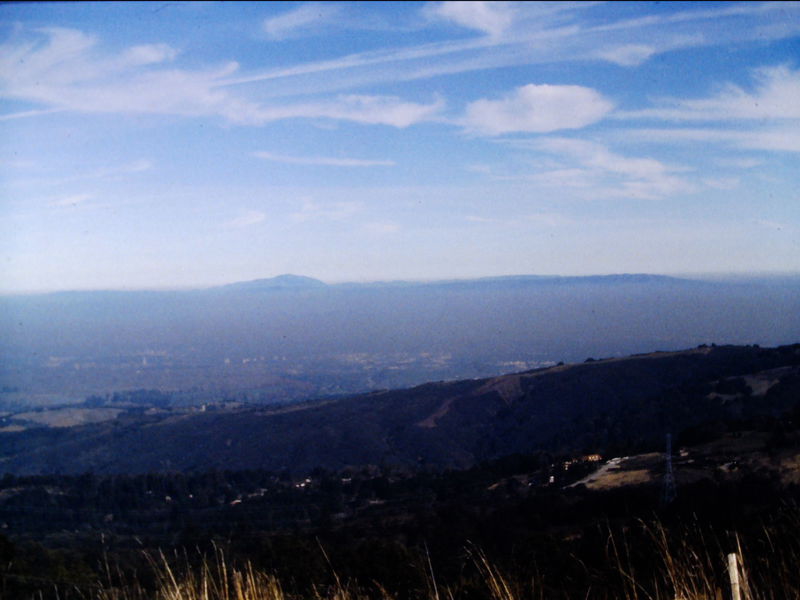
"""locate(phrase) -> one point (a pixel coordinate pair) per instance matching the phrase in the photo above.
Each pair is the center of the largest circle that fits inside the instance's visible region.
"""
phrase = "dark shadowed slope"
(617, 404)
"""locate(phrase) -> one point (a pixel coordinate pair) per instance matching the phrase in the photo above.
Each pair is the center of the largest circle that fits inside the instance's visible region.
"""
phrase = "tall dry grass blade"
(497, 583)
(431, 577)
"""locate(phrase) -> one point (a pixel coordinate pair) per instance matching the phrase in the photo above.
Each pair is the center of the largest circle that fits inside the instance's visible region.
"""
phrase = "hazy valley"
(293, 338)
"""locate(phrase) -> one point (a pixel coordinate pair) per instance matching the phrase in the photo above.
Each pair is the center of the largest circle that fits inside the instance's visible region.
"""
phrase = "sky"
(173, 145)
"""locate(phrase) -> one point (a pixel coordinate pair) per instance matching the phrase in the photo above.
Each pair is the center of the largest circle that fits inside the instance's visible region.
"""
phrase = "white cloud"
(64, 48)
(537, 109)
(783, 139)
(148, 54)
(253, 217)
(65, 73)
(300, 20)
(539, 32)
(766, 117)
(774, 97)
(323, 160)
(598, 172)
(492, 18)
(629, 55)
(368, 110)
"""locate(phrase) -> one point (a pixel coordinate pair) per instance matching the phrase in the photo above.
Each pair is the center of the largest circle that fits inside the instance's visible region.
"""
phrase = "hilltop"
(281, 282)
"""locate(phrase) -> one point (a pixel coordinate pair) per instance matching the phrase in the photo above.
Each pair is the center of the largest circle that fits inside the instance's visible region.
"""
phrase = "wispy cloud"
(147, 54)
(594, 171)
(773, 12)
(253, 217)
(323, 160)
(368, 110)
(24, 114)
(537, 109)
(335, 211)
(108, 173)
(64, 69)
(781, 139)
(628, 55)
(304, 19)
(764, 117)
(65, 72)
(774, 97)
(493, 18)
(136, 166)
(532, 33)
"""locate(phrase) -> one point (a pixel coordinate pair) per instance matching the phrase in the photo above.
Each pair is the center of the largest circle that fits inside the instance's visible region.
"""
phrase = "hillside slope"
(614, 405)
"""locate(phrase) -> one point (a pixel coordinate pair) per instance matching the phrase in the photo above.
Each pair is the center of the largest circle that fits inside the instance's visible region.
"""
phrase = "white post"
(733, 572)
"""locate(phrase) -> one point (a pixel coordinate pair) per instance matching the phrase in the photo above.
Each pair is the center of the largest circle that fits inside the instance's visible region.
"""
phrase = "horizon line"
(696, 276)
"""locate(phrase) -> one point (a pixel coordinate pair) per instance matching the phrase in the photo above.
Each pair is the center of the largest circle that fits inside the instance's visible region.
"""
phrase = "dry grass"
(692, 567)
(694, 564)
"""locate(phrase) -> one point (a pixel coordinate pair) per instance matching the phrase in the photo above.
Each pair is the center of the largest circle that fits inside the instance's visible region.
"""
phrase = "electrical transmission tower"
(669, 492)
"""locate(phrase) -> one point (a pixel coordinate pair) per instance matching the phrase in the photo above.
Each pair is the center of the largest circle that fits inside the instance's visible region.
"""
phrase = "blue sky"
(170, 145)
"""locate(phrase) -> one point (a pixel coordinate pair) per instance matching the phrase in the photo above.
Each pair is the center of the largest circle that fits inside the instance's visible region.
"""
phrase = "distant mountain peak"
(281, 282)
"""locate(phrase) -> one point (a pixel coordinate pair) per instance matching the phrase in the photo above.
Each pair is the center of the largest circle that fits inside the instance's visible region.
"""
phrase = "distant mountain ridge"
(289, 281)
(281, 282)
(517, 281)
(292, 282)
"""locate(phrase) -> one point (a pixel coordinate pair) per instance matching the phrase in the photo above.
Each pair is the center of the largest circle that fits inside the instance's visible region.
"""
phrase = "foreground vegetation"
(646, 561)
(459, 540)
